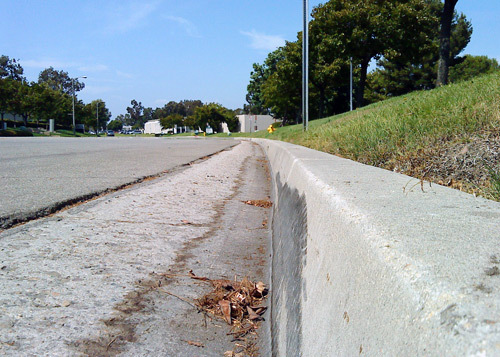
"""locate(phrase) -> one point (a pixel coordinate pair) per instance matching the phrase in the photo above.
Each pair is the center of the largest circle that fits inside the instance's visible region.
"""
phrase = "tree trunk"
(444, 42)
(362, 83)
(322, 100)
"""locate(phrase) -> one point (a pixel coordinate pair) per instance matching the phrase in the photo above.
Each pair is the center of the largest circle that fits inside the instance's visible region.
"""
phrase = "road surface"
(40, 175)
(108, 277)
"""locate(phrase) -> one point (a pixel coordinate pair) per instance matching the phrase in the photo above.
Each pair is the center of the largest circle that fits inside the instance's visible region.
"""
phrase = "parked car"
(110, 133)
(136, 132)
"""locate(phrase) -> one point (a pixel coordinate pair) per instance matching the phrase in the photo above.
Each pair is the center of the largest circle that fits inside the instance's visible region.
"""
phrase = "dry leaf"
(252, 315)
(259, 203)
(260, 287)
(193, 276)
(226, 310)
(194, 343)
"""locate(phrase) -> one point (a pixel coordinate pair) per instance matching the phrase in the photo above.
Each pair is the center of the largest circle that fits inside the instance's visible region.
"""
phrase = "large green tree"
(399, 74)
(50, 104)
(184, 108)
(96, 114)
(115, 125)
(368, 29)
(8, 91)
(11, 68)
(136, 112)
(59, 80)
(259, 75)
(281, 91)
(172, 120)
(342, 30)
(213, 114)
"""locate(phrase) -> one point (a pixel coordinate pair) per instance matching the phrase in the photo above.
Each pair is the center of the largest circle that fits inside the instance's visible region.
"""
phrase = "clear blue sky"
(155, 51)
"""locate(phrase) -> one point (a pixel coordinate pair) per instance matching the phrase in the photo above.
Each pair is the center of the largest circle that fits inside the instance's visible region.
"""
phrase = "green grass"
(383, 132)
(69, 133)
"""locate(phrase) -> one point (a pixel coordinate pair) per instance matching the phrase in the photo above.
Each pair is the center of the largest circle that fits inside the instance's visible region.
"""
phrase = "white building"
(152, 127)
(252, 123)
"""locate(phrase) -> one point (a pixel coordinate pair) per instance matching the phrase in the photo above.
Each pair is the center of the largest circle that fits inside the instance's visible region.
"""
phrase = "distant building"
(152, 127)
(252, 123)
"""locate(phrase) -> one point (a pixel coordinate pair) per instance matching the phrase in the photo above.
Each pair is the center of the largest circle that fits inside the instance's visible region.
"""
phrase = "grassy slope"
(389, 133)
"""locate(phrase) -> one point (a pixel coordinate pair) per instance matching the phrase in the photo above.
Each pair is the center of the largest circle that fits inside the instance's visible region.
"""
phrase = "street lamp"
(97, 120)
(305, 67)
(73, 89)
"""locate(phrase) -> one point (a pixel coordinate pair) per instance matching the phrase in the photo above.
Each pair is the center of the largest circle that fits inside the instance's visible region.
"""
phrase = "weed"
(495, 183)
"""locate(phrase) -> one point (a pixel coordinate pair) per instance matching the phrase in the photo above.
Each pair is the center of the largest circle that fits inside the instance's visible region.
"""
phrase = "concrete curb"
(371, 262)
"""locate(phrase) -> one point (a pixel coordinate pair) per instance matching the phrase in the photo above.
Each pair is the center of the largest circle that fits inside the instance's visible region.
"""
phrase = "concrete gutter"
(371, 262)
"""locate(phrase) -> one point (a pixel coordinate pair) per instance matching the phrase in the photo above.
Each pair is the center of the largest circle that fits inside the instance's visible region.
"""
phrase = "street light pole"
(305, 67)
(97, 120)
(350, 83)
(73, 90)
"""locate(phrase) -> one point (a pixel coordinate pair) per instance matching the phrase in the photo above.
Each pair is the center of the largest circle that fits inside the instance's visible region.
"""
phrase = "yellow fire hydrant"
(270, 129)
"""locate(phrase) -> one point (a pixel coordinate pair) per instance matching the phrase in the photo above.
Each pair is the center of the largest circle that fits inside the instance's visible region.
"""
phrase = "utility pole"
(350, 83)
(97, 120)
(305, 67)
(73, 90)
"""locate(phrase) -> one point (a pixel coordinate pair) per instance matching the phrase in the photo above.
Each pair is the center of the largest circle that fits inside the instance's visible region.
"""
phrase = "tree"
(115, 125)
(59, 80)
(472, 66)
(368, 29)
(136, 114)
(281, 91)
(190, 106)
(184, 108)
(7, 93)
(147, 114)
(398, 73)
(213, 114)
(25, 101)
(96, 110)
(172, 120)
(10, 68)
(444, 41)
(50, 104)
(259, 75)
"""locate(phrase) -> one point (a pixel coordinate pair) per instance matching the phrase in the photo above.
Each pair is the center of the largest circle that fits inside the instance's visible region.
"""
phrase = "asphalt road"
(39, 175)
(110, 276)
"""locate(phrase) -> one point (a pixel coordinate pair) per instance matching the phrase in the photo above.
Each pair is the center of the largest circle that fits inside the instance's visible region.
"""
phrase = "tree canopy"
(10, 68)
(213, 114)
(402, 36)
(397, 74)
(49, 98)
(59, 80)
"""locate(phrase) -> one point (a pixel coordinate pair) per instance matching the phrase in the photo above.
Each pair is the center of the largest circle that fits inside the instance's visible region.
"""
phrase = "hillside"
(449, 135)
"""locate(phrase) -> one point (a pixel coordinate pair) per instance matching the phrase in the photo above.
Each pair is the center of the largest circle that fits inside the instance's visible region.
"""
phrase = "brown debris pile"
(462, 163)
(239, 304)
(259, 203)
